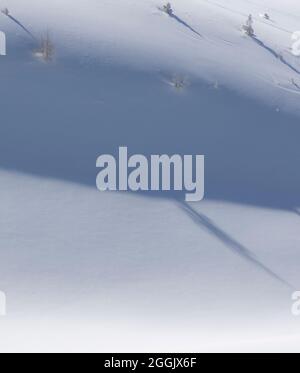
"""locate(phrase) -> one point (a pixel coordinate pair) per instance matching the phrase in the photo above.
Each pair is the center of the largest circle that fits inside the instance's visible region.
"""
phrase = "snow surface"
(91, 271)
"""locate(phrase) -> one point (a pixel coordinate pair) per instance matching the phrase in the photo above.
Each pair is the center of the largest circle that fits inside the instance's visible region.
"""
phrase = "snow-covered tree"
(168, 9)
(5, 11)
(248, 26)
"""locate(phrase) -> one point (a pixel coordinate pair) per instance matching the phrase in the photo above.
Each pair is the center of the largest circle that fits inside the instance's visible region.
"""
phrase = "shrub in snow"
(264, 16)
(178, 82)
(248, 26)
(46, 50)
(5, 11)
(168, 9)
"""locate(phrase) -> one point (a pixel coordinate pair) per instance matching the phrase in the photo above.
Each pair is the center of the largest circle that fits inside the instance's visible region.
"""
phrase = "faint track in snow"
(274, 10)
(247, 14)
(291, 90)
(275, 83)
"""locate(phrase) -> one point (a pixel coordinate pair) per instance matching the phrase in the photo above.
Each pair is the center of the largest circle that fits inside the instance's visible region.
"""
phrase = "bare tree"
(46, 50)
(178, 82)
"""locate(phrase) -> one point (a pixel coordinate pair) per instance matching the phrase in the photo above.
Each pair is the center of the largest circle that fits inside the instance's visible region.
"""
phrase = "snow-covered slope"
(138, 33)
(92, 272)
(192, 277)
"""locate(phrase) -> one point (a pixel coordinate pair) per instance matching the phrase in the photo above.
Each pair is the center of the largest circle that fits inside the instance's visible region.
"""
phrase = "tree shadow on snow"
(227, 240)
(184, 24)
(275, 54)
(22, 26)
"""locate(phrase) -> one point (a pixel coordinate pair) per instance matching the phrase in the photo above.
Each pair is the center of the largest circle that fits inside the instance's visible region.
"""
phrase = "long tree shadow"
(296, 211)
(275, 54)
(227, 240)
(185, 24)
(6, 12)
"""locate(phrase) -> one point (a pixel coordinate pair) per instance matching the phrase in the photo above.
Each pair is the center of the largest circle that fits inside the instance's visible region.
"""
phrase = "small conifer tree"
(168, 9)
(248, 26)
